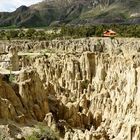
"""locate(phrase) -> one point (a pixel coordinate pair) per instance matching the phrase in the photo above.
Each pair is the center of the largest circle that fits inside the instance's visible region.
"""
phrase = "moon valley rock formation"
(87, 89)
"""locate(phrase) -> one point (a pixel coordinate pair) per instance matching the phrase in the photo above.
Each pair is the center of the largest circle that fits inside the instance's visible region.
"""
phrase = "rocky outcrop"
(86, 89)
(33, 95)
(28, 101)
(11, 106)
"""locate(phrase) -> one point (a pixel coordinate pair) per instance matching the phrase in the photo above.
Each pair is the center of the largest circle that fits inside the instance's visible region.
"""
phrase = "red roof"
(109, 33)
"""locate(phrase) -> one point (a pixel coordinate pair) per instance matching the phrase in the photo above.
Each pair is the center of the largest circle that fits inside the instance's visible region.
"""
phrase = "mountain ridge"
(52, 12)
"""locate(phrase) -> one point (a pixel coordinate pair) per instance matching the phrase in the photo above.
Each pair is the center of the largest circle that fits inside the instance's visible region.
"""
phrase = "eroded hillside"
(84, 88)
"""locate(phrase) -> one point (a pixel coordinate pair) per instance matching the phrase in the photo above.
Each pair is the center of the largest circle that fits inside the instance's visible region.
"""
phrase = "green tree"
(40, 35)
(21, 34)
(30, 33)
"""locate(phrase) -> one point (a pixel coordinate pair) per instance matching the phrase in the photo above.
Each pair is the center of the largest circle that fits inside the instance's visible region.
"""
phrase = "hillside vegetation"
(69, 32)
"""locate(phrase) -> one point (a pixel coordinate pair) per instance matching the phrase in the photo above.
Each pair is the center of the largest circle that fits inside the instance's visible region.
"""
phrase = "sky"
(11, 5)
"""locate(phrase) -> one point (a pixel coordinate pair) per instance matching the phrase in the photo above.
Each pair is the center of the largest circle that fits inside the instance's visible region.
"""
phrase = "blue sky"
(11, 5)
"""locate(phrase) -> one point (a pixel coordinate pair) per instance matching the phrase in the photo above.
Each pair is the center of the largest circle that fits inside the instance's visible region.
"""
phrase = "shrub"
(45, 132)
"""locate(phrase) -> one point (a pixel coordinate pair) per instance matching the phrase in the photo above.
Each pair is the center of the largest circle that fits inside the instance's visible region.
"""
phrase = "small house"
(109, 33)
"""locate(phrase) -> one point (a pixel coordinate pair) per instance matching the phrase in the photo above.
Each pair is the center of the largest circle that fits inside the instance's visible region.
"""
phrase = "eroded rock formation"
(28, 101)
(88, 88)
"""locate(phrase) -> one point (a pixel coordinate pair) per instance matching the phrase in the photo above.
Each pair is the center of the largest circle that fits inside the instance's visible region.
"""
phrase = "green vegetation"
(11, 77)
(97, 30)
(70, 31)
(31, 33)
(85, 84)
(2, 136)
(44, 133)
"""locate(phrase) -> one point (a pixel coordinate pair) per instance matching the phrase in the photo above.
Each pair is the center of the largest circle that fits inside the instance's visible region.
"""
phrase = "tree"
(30, 33)
(40, 35)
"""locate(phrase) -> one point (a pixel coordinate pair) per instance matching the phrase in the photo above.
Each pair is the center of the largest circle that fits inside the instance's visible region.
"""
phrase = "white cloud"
(11, 5)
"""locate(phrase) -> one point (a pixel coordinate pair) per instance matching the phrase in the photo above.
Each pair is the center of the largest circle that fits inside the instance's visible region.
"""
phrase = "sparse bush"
(11, 78)
(32, 137)
(2, 136)
(85, 84)
(45, 132)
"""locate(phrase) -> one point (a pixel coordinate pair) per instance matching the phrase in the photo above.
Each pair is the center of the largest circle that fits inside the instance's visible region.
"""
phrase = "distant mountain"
(55, 12)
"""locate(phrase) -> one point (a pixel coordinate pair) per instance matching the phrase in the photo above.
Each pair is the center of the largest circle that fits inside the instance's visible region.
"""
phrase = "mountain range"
(73, 12)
